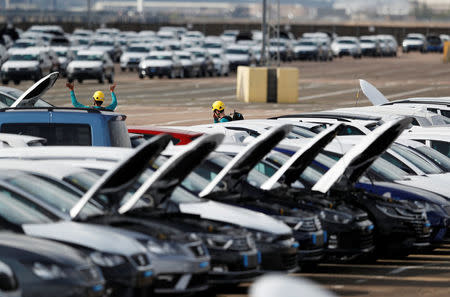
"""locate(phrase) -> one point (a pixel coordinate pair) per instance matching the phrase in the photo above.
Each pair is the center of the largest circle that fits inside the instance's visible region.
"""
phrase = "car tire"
(150, 76)
(101, 79)
(70, 79)
(80, 80)
(5, 81)
(172, 74)
(181, 76)
(123, 69)
(37, 76)
(141, 76)
(16, 82)
(111, 78)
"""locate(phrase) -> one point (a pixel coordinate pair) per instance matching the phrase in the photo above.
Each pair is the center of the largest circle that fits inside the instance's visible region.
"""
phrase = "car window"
(18, 210)
(393, 160)
(51, 192)
(421, 163)
(350, 130)
(435, 156)
(56, 134)
(441, 146)
(119, 134)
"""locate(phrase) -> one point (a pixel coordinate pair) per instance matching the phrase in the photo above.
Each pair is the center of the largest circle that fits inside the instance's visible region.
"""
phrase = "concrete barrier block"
(251, 84)
(287, 89)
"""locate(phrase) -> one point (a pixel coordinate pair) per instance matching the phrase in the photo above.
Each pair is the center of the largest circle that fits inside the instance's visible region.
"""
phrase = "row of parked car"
(176, 51)
(85, 214)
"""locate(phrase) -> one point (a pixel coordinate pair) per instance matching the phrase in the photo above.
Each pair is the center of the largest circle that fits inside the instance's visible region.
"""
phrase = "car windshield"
(61, 53)
(51, 192)
(138, 49)
(367, 41)
(276, 43)
(217, 56)
(26, 57)
(159, 57)
(199, 54)
(23, 44)
(184, 57)
(308, 43)
(88, 57)
(212, 45)
(424, 165)
(19, 211)
(103, 43)
(413, 38)
(437, 157)
(346, 42)
(235, 51)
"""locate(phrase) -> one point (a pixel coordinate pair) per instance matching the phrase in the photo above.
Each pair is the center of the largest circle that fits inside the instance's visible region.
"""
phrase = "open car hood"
(291, 170)
(372, 93)
(163, 181)
(116, 181)
(359, 158)
(30, 96)
(243, 162)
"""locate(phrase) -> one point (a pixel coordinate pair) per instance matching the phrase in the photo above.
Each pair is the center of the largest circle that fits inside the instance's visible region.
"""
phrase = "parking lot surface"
(321, 86)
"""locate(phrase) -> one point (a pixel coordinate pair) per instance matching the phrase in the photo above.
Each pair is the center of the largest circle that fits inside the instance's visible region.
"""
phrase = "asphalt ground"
(321, 86)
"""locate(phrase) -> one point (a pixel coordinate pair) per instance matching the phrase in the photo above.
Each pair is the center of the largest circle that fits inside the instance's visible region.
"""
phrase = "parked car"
(346, 46)
(42, 265)
(161, 64)
(108, 45)
(239, 55)
(204, 58)
(414, 42)
(370, 46)
(179, 137)
(133, 55)
(221, 63)
(27, 64)
(434, 43)
(91, 64)
(308, 49)
(191, 66)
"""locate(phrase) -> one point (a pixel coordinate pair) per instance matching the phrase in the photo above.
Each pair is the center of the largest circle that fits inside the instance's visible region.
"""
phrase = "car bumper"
(19, 74)
(306, 55)
(413, 47)
(311, 245)
(85, 74)
(181, 283)
(127, 276)
(233, 267)
(152, 71)
(129, 64)
(278, 258)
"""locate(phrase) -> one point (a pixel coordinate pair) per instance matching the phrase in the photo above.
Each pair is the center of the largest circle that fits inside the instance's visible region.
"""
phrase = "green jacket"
(77, 104)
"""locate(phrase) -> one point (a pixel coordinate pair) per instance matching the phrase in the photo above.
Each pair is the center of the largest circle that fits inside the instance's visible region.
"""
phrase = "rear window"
(56, 134)
(119, 134)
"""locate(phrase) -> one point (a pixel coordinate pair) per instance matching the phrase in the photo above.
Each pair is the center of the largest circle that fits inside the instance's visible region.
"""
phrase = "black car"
(46, 268)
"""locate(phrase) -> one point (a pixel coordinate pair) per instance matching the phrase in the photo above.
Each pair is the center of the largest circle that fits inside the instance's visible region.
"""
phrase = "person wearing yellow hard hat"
(98, 98)
(218, 109)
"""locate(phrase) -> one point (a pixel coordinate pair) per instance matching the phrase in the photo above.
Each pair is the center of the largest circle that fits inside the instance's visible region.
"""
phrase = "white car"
(167, 35)
(414, 42)
(370, 46)
(27, 64)
(346, 46)
(437, 138)
(65, 56)
(3, 54)
(191, 67)
(214, 45)
(229, 36)
(21, 44)
(131, 58)
(195, 37)
(108, 45)
(221, 63)
(239, 55)
(307, 49)
(161, 64)
(90, 64)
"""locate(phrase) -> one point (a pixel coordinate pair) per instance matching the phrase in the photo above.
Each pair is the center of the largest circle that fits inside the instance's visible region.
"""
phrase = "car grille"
(310, 225)
(198, 250)
(420, 229)
(90, 274)
(83, 69)
(141, 260)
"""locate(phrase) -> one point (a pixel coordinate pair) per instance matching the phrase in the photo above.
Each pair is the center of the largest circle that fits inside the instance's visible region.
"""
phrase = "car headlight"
(5, 68)
(70, 68)
(159, 248)
(48, 271)
(106, 260)
(335, 217)
(294, 223)
(219, 241)
(266, 237)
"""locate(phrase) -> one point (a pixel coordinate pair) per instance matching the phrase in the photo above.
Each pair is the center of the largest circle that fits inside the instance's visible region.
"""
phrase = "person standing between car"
(98, 98)
(219, 116)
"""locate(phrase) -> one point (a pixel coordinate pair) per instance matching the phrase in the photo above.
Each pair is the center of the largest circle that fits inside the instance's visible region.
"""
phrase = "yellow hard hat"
(99, 96)
(218, 105)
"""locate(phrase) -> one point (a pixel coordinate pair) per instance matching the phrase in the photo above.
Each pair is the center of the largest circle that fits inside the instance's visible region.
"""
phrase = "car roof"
(90, 52)
(158, 53)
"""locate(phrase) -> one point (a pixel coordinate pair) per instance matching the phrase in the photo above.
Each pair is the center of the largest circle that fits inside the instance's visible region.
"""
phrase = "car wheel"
(80, 80)
(130, 69)
(227, 73)
(181, 76)
(5, 81)
(123, 69)
(70, 79)
(150, 76)
(37, 75)
(101, 80)
(16, 82)
(172, 74)
(141, 76)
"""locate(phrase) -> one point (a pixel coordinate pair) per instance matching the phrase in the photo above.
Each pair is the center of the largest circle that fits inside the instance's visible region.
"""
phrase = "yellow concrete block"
(251, 84)
(287, 90)
(446, 56)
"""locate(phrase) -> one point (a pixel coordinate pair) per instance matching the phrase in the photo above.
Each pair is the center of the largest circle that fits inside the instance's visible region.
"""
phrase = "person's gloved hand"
(112, 87)
(70, 86)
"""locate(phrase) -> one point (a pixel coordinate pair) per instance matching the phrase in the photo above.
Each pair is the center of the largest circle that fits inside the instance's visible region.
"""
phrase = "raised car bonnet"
(30, 96)
(124, 174)
(164, 180)
(292, 169)
(372, 93)
(244, 162)
(358, 159)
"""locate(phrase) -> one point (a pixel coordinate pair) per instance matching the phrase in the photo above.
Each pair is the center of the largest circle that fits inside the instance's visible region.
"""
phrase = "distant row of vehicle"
(424, 44)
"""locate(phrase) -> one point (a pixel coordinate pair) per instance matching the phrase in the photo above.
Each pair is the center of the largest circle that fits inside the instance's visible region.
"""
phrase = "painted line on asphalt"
(348, 91)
